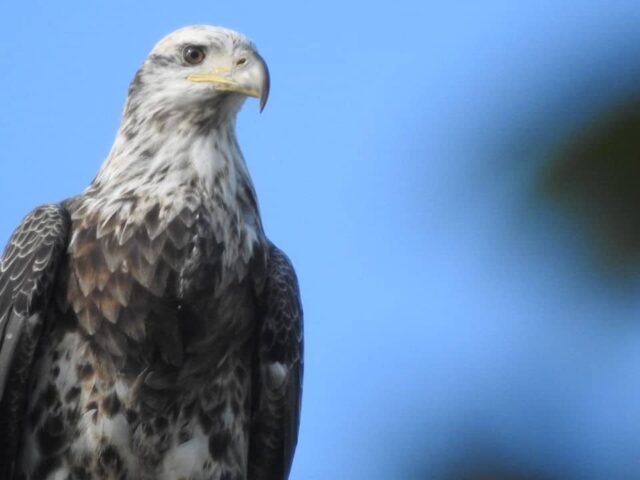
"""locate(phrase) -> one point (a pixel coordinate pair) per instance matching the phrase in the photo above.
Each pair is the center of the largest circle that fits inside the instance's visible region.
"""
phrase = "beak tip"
(266, 83)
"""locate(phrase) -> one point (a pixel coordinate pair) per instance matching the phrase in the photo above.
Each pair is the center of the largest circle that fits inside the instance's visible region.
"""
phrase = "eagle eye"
(193, 54)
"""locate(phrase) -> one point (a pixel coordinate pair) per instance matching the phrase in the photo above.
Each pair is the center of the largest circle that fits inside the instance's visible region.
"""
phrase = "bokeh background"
(458, 186)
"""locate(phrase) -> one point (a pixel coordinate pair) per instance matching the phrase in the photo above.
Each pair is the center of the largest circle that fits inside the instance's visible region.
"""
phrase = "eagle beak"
(248, 76)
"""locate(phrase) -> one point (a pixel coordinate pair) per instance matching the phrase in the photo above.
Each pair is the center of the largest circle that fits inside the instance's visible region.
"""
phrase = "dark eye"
(193, 55)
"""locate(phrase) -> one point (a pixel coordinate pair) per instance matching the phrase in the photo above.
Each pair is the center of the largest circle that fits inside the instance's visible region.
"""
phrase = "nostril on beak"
(241, 61)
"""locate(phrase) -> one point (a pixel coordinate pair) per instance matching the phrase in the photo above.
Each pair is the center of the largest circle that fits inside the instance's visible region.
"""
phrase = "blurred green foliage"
(596, 176)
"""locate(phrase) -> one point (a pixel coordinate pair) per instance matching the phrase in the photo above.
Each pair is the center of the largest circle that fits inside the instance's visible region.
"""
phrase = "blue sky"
(448, 314)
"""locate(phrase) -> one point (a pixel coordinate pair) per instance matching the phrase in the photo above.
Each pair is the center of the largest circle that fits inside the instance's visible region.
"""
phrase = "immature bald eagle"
(148, 328)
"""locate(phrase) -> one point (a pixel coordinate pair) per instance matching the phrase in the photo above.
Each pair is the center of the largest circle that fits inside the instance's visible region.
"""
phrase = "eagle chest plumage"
(162, 296)
(171, 257)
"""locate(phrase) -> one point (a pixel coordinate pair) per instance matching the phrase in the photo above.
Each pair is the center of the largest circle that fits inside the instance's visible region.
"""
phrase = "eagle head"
(200, 68)
(179, 118)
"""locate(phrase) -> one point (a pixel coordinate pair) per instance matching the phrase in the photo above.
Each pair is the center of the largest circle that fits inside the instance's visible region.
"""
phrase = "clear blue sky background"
(448, 315)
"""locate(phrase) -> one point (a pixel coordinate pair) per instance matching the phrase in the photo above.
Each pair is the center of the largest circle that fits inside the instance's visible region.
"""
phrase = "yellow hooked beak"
(248, 76)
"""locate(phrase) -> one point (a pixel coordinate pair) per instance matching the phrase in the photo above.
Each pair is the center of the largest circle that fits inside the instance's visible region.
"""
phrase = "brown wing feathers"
(278, 370)
(28, 276)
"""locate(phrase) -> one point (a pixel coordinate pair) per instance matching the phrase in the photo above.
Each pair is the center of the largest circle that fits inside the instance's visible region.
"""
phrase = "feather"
(119, 287)
(91, 272)
(90, 317)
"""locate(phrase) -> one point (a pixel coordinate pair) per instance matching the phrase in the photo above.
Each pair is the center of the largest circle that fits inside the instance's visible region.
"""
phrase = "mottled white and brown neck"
(164, 154)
